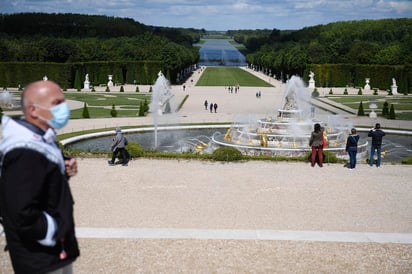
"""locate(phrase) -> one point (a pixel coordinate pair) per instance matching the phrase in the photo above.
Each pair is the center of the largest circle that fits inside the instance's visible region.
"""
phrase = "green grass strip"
(230, 76)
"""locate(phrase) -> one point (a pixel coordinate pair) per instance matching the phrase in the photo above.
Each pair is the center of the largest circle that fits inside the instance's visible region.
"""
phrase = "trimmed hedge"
(71, 75)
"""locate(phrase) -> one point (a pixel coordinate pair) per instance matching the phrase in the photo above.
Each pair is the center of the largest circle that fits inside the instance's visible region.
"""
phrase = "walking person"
(352, 147)
(215, 107)
(36, 203)
(377, 135)
(205, 104)
(316, 143)
(211, 107)
(118, 146)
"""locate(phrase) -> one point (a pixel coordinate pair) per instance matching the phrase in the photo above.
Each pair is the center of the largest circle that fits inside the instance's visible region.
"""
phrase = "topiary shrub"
(315, 93)
(113, 111)
(167, 108)
(107, 89)
(375, 91)
(141, 111)
(227, 154)
(407, 161)
(85, 113)
(137, 89)
(360, 91)
(385, 109)
(93, 89)
(330, 91)
(121, 89)
(360, 110)
(135, 150)
(150, 89)
(345, 92)
(392, 115)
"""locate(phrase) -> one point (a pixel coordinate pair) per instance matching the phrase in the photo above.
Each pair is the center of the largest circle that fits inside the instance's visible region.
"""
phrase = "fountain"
(288, 132)
(160, 103)
(6, 99)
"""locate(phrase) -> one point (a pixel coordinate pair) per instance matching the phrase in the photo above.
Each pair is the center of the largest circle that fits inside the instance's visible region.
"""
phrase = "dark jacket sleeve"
(23, 187)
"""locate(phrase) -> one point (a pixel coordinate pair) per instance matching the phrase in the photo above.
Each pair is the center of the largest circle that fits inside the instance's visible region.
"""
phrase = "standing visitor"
(352, 147)
(36, 203)
(316, 143)
(118, 146)
(205, 104)
(376, 134)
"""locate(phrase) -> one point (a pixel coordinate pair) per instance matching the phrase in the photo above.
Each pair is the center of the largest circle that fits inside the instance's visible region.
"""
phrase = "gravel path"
(224, 200)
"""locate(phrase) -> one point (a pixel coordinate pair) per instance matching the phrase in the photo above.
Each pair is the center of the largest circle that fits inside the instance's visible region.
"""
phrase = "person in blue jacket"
(352, 148)
(36, 203)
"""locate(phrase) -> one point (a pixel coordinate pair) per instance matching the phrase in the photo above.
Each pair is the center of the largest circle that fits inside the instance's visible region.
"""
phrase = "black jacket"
(30, 183)
(376, 135)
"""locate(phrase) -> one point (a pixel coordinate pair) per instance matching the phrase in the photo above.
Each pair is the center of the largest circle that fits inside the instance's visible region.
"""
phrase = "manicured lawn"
(402, 104)
(229, 76)
(103, 99)
(100, 104)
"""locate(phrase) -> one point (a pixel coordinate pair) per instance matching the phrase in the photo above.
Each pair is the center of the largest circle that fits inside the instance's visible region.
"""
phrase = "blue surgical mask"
(61, 115)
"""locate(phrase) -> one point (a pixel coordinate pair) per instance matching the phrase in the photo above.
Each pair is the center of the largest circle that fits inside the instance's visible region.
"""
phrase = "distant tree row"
(68, 50)
(73, 38)
(69, 25)
(381, 42)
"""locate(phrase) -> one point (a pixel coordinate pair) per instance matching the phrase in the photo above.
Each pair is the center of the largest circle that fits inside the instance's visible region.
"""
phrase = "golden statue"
(228, 135)
(263, 140)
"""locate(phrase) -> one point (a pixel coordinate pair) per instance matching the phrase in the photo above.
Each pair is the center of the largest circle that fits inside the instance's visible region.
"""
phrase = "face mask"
(61, 115)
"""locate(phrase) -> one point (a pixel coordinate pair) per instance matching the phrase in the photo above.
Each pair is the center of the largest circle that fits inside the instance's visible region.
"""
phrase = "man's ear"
(31, 111)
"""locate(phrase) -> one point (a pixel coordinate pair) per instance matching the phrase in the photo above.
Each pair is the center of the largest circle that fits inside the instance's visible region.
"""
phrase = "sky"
(223, 15)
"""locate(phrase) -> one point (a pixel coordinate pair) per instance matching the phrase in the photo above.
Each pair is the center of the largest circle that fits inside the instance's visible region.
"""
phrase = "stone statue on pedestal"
(311, 80)
(86, 82)
(110, 83)
(367, 86)
(394, 87)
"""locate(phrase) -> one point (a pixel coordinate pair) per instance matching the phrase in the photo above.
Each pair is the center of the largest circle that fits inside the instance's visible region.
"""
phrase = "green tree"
(385, 109)
(85, 113)
(141, 109)
(360, 110)
(392, 113)
(113, 111)
(77, 81)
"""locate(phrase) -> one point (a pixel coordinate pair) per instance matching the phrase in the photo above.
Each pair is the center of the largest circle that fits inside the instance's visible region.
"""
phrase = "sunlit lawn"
(230, 76)
(100, 104)
(402, 104)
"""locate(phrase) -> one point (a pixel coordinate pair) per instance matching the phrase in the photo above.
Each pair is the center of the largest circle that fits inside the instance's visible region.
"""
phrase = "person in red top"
(316, 143)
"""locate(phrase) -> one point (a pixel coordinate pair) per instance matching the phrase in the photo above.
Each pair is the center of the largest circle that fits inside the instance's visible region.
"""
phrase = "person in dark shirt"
(376, 134)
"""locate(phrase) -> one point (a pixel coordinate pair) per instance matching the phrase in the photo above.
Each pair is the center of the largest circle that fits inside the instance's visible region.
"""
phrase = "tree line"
(73, 38)
(365, 42)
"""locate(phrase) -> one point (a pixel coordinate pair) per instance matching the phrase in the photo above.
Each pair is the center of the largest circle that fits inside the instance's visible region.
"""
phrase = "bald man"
(35, 198)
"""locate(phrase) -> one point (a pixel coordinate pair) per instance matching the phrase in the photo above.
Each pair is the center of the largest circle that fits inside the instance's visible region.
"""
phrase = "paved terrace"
(177, 216)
